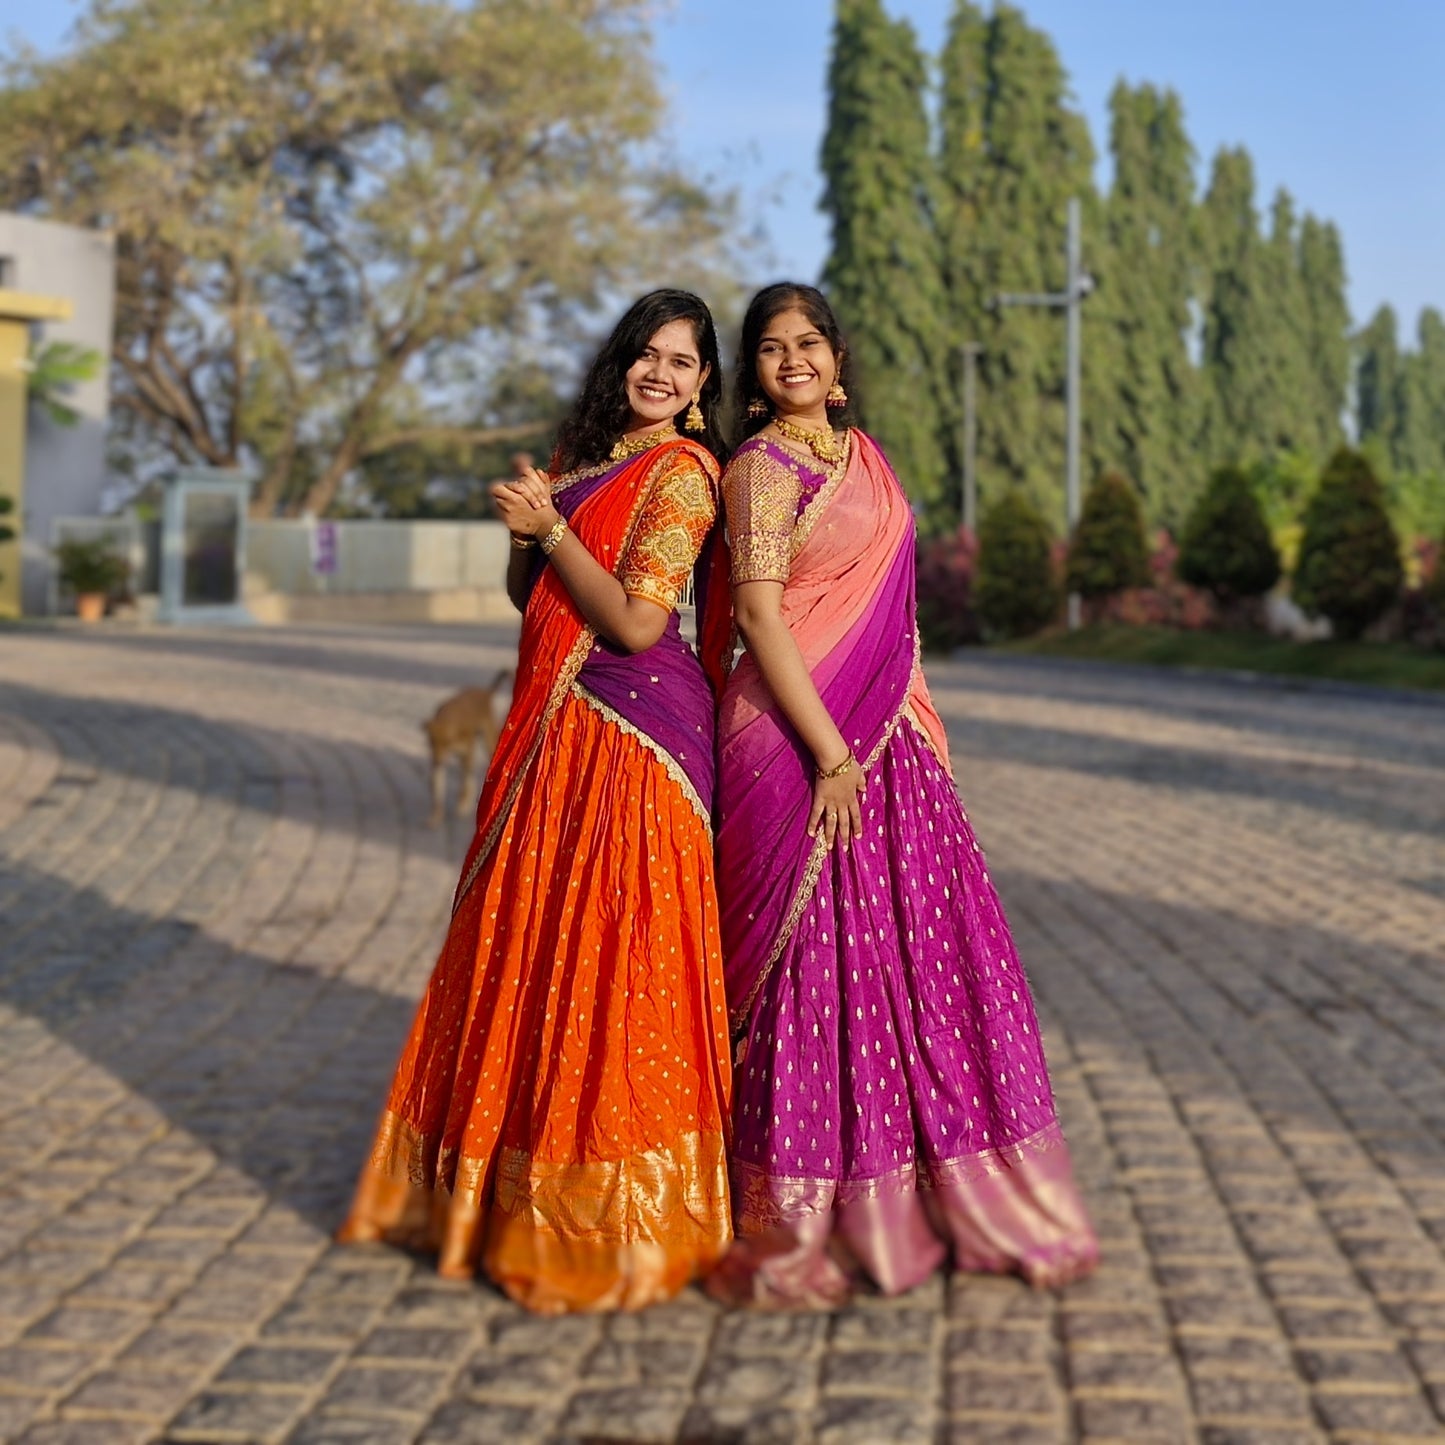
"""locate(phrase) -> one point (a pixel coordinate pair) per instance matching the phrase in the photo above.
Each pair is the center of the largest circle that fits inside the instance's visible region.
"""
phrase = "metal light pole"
(1078, 284)
(972, 350)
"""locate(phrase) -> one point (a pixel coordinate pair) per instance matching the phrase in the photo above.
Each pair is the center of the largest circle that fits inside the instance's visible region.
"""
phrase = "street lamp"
(1078, 284)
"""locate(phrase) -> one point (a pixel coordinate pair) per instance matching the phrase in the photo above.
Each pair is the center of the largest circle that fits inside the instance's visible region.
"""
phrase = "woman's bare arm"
(518, 569)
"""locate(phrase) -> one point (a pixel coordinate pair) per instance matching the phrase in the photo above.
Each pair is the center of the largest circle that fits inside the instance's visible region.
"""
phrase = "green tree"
(1108, 552)
(1238, 349)
(334, 217)
(1327, 329)
(1013, 152)
(1015, 593)
(1349, 566)
(1420, 442)
(1226, 546)
(55, 369)
(883, 271)
(1288, 413)
(1143, 411)
(1377, 381)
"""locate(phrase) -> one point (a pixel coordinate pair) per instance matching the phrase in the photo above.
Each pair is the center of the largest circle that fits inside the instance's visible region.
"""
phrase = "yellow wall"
(17, 312)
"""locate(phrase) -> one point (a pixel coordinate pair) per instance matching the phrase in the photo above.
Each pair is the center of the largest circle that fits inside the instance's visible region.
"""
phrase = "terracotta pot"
(90, 606)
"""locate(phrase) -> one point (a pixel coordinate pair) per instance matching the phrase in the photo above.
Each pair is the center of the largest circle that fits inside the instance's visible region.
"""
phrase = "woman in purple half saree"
(892, 1104)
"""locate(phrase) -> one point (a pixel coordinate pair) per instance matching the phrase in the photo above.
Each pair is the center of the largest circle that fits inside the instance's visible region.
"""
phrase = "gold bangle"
(553, 539)
(523, 544)
(824, 774)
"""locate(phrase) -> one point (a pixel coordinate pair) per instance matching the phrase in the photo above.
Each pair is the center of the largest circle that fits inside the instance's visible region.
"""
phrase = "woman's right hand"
(838, 807)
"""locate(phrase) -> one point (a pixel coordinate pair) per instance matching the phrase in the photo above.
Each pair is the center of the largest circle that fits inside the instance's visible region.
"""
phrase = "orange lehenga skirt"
(558, 1115)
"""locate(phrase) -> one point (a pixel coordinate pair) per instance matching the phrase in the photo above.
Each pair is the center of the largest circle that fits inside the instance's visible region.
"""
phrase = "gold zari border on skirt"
(765, 1199)
(599, 1199)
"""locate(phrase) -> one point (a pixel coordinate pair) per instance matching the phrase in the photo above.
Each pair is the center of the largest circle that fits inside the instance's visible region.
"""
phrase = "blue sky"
(1343, 103)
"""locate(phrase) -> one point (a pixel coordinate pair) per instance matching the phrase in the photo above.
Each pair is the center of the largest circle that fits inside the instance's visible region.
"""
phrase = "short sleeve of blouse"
(761, 498)
(674, 524)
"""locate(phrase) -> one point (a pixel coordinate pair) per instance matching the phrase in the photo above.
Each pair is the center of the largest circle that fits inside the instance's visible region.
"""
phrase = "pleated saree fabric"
(558, 1117)
(892, 1099)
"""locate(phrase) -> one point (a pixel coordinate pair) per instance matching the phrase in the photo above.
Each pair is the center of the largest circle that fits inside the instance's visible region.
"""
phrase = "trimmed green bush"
(7, 532)
(1014, 592)
(1226, 547)
(1108, 553)
(1349, 567)
(90, 565)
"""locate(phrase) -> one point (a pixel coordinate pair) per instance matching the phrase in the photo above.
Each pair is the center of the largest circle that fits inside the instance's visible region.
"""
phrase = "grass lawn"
(1388, 664)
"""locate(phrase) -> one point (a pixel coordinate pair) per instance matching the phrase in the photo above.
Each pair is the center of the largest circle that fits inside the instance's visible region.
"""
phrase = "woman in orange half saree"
(892, 1106)
(558, 1117)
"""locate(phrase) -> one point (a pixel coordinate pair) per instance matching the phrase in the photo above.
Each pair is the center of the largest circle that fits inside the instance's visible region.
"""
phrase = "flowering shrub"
(1422, 608)
(946, 568)
(1165, 601)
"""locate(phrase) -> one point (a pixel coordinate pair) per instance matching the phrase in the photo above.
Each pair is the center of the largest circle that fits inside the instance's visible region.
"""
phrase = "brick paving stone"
(391, 1389)
(220, 907)
(236, 1414)
(324, 1429)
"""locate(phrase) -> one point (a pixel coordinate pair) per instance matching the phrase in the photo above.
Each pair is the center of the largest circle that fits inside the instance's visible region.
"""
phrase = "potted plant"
(92, 569)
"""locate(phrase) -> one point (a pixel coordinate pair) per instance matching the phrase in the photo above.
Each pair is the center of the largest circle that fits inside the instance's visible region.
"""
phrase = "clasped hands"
(525, 505)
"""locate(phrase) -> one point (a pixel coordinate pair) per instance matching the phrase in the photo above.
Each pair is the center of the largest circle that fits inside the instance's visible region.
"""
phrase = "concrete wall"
(65, 466)
(405, 571)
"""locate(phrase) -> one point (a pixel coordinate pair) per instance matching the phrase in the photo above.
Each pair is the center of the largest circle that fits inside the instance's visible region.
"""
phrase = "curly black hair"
(600, 414)
(771, 302)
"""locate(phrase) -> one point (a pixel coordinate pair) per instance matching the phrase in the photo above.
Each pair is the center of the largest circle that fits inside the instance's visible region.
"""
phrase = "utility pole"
(972, 350)
(1077, 285)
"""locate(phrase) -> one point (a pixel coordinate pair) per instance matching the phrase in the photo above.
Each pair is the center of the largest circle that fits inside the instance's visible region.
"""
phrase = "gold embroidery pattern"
(566, 675)
(670, 534)
(600, 1199)
(765, 1200)
(670, 764)
(819, 504)
(761, 503)
(658, 1193)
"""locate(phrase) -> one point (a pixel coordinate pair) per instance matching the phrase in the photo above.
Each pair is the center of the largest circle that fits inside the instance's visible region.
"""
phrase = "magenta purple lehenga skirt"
(892, 1105)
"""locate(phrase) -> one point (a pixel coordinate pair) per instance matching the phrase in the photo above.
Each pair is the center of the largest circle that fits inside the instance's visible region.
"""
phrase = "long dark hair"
(601, 413)
(770, 302)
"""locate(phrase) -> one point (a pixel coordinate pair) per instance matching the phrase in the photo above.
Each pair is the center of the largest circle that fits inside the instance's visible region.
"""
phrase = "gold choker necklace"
(630, 446)
(827, 446)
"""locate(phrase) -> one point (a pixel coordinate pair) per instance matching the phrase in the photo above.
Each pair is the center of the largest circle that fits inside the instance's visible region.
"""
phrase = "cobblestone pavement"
(219, 902)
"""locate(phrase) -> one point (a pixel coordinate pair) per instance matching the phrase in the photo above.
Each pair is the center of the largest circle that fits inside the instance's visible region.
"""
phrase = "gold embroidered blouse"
(761, 497)
(670, 532)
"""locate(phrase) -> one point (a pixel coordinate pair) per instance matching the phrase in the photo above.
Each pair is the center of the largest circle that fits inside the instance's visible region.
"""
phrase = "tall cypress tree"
(1377, 382)
(1327, 338)
(1287, 410)
(1238, 349)
(883, 273)
(1144, 416)
(963, 166)
(1014, 151)
(1420, 445)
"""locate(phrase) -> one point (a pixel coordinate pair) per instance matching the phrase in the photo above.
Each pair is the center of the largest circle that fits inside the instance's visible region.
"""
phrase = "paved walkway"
(219, 903)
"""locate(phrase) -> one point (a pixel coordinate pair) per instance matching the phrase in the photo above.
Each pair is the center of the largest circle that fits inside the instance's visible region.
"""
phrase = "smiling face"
(660, 383)
(796, 366)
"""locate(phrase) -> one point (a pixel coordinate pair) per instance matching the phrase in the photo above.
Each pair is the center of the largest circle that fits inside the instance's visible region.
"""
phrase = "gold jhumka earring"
(694, 418)
(757, 407)
(836, 395)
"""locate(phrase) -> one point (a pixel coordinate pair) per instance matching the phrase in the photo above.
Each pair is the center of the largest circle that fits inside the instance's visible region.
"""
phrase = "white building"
(65, 467)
